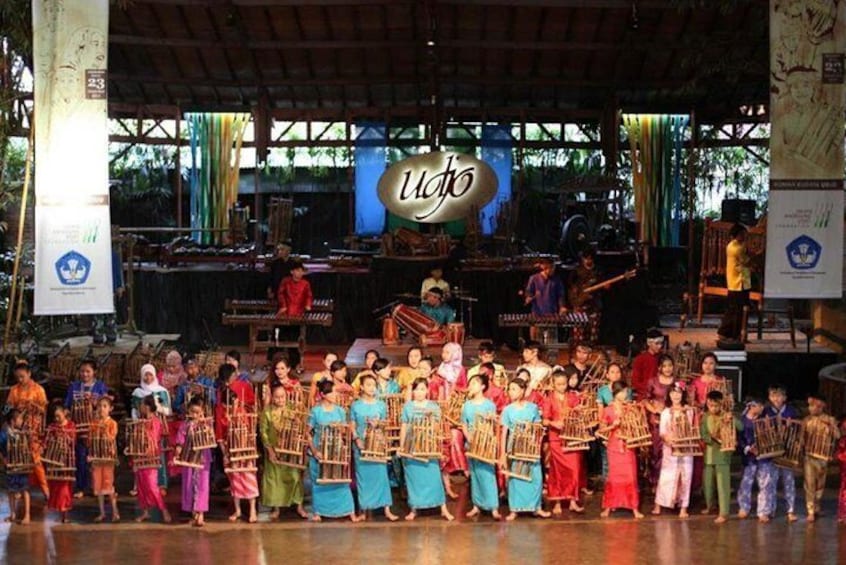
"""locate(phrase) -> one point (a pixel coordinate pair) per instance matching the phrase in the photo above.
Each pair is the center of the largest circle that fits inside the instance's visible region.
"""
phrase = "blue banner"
(497, 147)
(370, 160)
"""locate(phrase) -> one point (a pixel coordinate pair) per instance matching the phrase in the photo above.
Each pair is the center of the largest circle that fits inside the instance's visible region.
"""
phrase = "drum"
(455, 333)
(413, 320)
(390, 331)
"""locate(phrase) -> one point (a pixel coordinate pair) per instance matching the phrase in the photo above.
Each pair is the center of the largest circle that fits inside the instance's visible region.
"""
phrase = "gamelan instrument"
(820, 438)
(83, 411)
(769, 439)
(145, 453)
(291, 438)
(234, 305)
(19, 460)
(390, 331)
(793, 433)
(727, 433)
(393, 424)
(101, 448)
(241, 442)
(375, 442)
(634, 427)
(59, 457)
(687, 440)
(424, 329)
(334, 463)
(455, 332)
(270, 321)
(423, 438)
(484, 439)
(198, 437)
(568, 320)
(63, 364)
(523, 449)
(453, 405)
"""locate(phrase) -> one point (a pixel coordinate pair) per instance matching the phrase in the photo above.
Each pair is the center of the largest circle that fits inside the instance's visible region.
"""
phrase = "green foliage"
(143, 192)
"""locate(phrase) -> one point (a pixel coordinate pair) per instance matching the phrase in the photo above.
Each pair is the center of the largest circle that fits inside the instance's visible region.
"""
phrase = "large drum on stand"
(390, 331)
(455, 333)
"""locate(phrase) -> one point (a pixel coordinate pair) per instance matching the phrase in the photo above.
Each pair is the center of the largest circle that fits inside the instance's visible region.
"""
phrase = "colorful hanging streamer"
(215, 170)
(656, 147)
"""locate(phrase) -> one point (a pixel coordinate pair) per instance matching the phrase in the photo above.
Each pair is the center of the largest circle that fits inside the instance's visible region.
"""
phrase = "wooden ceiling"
(535, 57)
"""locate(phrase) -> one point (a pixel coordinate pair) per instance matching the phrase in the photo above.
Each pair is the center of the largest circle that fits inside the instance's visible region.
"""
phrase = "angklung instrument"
(393, 423)
(198, 437)
(634, 427)
(453, 406)
(375, 441)
(144, 452)
(523, 449)
(793, 434)
(820, 438)
(83, 411)
(423, 438)
(574, 432)
(334, 463)
(102, 449)
(727, 433)
(241, 443)
(19, 460)
(484, 439)
(769, 438)
(59, 457)
(290, 448)
(684, 429)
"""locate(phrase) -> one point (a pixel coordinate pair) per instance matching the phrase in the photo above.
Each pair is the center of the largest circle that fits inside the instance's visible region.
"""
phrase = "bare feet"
(390, 515)
(316, 518)
(637, 514)
(792, 517)
(605, 513)
(274, 514)
(133, 492)
(511, 517)
(473, 512)
(574, 507)
(143, 517)
(656, 511)
(252, 519)
(556, 510)
(705, 511)
(543, 513)
(763, 519)
(78, 494)
(301, 512)
(451, 494)
(587, 492)
(496, 515)
(234, 517)
(811, 517)
(24, 520)
(354, 518)
(411, 516)
(115, 517)
(10, 519)
(683, 514)
(163, 491)
(743, 515)
(99, 518)
(166, 517)
(720, 520)
(445, 514)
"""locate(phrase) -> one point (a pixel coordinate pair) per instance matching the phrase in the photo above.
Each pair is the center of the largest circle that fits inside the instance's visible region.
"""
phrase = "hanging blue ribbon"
(497, 145)
(370, 159)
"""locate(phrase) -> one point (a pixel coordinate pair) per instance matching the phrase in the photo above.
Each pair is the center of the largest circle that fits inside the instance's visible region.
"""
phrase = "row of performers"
(528, 409)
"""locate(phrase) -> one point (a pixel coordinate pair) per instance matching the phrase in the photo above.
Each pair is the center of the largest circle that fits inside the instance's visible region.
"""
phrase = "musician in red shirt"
(294, 293)
(645, 365)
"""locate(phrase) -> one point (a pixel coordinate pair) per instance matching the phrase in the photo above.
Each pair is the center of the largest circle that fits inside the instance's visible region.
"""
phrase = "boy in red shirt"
(294, 293)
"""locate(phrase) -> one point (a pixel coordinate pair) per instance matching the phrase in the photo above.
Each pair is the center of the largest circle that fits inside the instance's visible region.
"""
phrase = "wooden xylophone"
(236, 304)
(568, 320)
(269, 321)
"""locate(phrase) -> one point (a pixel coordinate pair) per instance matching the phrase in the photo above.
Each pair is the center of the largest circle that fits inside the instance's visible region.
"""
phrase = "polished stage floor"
(619, 540)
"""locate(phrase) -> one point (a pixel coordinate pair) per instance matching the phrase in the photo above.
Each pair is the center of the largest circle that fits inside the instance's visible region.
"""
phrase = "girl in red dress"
(841, 457)
(565, 466)
(61, 496)
(621, 485)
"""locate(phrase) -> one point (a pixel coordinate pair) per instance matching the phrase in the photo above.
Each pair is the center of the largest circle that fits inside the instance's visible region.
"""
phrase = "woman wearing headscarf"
(148, 386)
(449, 377)
(171, 378)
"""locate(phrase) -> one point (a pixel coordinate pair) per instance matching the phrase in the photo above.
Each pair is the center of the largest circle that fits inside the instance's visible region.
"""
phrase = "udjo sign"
(437, 187)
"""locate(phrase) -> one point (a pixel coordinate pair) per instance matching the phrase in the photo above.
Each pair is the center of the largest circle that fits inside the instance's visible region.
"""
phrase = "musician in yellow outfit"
(738, 283)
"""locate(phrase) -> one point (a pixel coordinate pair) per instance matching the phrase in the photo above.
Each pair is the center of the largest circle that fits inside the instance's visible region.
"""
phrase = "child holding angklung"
(523, 496)
(333, 500)
(613, 373)
(754, 470)
(373, 487)
(778, 408)
(717, 461)
(281, 485)
(17, 484)
(60, 499)
(676, 473)
(147, 490)
(243, 485)
(423, 478)
(104, 429)
(815, 468)
(841, 458)
(195, 480)
(621, 482)
(87, 389)
(565, 466)
(483, 484)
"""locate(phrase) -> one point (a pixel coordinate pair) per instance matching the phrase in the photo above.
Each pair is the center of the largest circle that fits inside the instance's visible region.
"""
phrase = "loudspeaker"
(735, 210)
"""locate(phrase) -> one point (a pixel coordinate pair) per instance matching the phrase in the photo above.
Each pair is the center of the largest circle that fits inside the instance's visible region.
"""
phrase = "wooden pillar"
(178, 165)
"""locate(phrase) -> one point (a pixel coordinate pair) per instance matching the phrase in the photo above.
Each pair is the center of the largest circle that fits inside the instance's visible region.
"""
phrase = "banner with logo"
(73, 270)
(805, 216)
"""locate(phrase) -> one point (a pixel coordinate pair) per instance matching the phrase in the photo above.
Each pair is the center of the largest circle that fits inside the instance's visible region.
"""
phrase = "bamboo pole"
(21, 222)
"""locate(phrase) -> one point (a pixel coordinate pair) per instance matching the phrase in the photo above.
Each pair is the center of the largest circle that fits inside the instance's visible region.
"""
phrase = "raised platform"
(124, 344)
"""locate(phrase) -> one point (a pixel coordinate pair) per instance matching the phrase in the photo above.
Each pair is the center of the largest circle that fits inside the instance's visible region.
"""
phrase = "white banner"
(805, 217)
(73, 254)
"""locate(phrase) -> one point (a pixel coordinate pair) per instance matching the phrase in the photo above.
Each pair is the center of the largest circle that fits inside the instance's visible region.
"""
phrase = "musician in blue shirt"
(545, 291)
(195, 384)
(435, 308)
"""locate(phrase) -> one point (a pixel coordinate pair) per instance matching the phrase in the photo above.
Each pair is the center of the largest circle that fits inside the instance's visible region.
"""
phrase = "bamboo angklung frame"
(291, 438)
(588, 409)
(334, 464)
(595, 375)
(727, 432)
(198, 437)
(19, 460)
(59, 456)
(574, 431)
(793, 433)
(484, 439)
(83, 411)
(523, 449)
(241, 443)
(375, 442)
(101, 448)
(145, 453)
(820, 439)
(453, 405)
(393, 425)
(725, 387)
(687, 440)
(769, 439)
(198, 390)
(634, 428)
(34, 418)
(423, 438)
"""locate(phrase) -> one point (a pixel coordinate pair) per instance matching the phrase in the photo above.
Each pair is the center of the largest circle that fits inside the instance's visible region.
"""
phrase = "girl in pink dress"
(621, 484)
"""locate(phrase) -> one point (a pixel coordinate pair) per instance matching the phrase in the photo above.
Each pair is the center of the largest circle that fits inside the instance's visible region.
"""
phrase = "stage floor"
(586, 539)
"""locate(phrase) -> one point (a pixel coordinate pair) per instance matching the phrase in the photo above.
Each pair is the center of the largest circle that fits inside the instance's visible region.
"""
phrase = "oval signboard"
(437, 187)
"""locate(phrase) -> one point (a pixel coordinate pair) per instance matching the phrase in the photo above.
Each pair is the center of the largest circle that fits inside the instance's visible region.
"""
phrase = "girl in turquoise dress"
(385, 383)
(483, 488)
(371, 478)
(423, 479)
(328, 500)
(523, 496)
